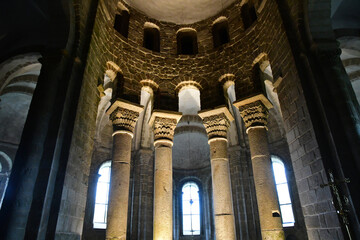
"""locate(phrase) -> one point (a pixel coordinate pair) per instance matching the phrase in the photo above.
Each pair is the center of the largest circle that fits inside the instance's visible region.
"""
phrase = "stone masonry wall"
(266, 35)
(74, 194)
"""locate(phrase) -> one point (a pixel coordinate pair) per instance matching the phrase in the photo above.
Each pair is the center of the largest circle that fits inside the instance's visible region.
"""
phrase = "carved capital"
(124, 115)
(112, 69)
(164, 128)
(254, 114)
(254, 110)
(216, 122)
(164, 124)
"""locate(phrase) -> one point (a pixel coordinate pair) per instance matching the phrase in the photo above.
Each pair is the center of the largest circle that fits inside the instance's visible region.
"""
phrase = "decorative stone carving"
(254, 114)
(164, 128)
(124, 119)
(254, 110)
(112, 69)
(216, 122)
(124, 115)
(216, 125)
(164, 124)
(188, 84)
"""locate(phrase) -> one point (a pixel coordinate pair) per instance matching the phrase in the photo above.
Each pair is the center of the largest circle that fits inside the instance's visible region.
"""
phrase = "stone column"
(164, 124)
(216, 123)
(123, 115)
(254, 112)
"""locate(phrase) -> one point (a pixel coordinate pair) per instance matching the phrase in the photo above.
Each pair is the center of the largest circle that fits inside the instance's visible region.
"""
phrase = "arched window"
(152, 39)
(187, 41)
(190, 209)
(220, 32)
(282, 189)
(121, 23)
(248, 14)
(102, 196)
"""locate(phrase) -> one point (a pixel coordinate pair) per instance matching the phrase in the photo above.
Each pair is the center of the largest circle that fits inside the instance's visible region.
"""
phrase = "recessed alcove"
(187, 41)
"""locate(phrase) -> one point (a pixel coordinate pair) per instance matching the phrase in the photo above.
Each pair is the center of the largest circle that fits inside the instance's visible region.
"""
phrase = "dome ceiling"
(180, 11)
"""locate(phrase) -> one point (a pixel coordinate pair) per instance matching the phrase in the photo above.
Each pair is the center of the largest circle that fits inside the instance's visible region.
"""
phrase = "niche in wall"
(187, 41)
(121, 23)
(248, 14)
(220, 32)
(151, 37)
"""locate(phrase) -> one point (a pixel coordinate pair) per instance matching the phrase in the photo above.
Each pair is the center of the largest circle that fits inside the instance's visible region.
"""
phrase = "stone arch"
(143, 132)
(5, 162)
(266, 77)
(18, 80)
(103, 124)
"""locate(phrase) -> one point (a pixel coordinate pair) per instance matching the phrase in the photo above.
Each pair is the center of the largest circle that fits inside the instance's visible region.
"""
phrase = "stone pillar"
(254, 112)
(123, 116)
(216, 123)
(164, 124)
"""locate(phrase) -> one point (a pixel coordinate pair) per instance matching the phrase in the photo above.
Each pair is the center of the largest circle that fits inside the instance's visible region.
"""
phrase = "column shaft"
(222, 197)
(270, 220)
(163, 193)
(119, 187)
(164, 124)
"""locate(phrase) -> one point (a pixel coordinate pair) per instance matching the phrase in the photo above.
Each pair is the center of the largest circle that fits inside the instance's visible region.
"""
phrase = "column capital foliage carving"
(164, 124)
(164, 128)
(124, 115)
(254, 114)
(124, 119)
(216, 125)
(216, 121)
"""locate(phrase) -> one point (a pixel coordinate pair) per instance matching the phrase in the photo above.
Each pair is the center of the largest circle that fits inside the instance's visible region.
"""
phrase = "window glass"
(282, 188)
(190, 209)
(102, 196)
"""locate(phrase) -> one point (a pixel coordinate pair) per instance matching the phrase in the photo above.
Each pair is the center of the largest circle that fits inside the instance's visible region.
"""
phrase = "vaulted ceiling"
(180, 11)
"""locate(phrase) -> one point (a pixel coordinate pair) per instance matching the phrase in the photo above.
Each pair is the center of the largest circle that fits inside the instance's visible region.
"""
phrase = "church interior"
(184, 120)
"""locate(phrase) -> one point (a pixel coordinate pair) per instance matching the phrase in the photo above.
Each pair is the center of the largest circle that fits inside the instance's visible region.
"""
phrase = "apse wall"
(266, 37)
(167, 68)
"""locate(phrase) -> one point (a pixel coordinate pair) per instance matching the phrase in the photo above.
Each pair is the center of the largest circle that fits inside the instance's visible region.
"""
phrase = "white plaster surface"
(191, 149)
(189, 101)
(180, 11)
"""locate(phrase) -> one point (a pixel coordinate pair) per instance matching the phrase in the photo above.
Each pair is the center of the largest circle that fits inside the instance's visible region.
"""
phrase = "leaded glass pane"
(282, 189)
(102, 196)
(190, 209)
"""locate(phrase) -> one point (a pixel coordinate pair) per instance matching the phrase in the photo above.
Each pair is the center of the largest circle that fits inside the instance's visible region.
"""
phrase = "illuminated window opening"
(282, 189)
(190, 209)
(102, 196)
